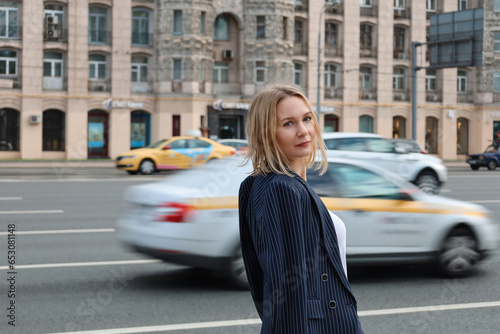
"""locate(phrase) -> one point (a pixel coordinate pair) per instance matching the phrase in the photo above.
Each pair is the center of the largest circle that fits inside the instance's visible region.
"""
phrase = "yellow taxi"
(179, 152)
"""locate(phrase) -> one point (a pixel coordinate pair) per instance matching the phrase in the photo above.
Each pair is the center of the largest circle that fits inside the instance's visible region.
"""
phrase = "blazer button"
(332, 304)
(324, 277)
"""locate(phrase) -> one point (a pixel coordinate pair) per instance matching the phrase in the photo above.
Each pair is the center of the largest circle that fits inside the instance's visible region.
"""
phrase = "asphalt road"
(87, 282)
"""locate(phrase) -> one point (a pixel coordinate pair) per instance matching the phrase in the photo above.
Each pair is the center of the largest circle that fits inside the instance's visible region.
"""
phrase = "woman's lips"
(304, 144)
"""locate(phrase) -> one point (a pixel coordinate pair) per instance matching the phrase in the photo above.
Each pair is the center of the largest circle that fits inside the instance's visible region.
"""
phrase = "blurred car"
(178, 152)
(425, 171)
(410, 145)
(240, 145)
(490, 158)
(191, 218)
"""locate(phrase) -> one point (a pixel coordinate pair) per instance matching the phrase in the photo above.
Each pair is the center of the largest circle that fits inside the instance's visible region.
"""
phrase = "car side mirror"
(400, 150)
(166, 147)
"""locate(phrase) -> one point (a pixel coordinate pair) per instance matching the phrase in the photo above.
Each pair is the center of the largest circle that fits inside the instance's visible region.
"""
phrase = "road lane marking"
(10, 198)
(30, 212)
(256, 321)
(99, 230)
(486, 201)
(80, 264)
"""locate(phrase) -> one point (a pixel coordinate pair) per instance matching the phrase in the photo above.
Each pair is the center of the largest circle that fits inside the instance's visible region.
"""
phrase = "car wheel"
(147, 167)
(459, 253)
(237, 273)
(131, 172)
(474, 167)
(492, 165)
(428, 182)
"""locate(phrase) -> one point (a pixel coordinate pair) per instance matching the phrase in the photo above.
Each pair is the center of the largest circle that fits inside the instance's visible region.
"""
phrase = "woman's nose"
(302, 130)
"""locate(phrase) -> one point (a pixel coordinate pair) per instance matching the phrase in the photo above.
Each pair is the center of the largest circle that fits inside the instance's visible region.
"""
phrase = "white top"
(341, 238)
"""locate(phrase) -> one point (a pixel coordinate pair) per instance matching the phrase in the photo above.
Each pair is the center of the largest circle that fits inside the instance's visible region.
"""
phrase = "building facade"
(93, 78)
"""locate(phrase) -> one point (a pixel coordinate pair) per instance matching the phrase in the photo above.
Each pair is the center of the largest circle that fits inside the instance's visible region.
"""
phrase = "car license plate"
(472, 162)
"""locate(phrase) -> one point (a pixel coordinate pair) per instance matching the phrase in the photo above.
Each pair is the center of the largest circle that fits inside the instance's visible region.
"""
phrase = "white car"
(423, 170)
(191, 218)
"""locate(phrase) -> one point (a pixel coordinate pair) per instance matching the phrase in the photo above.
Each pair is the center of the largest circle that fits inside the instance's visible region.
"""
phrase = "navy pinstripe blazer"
(292, 258)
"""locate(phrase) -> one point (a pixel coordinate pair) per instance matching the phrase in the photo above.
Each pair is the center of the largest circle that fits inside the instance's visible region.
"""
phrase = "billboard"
(456, 39)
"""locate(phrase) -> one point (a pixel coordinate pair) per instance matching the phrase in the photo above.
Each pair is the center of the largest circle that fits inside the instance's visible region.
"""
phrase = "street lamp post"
(318, 96)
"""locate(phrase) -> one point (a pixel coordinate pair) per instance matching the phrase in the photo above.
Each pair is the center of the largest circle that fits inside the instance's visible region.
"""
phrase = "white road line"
(99, 230)
(256, 321)
(486, 201)
(10, 198)
(30, 212)
(80, 264)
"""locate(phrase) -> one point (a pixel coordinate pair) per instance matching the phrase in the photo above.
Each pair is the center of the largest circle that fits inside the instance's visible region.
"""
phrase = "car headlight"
(131, 157)
(481, 157)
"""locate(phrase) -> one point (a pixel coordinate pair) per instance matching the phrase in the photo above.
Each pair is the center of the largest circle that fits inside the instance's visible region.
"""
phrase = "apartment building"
(92, 78)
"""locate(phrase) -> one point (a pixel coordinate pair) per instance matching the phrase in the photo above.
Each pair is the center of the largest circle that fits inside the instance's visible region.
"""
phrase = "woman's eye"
(307, 119)
(287, 124)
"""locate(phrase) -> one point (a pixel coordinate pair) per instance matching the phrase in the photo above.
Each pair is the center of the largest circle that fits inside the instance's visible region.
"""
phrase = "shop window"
(431, 135)
(53, 130)
(366, 124)
(139, 129)
(141, 27)
(462, 136)
(398, 127)
(9, 129)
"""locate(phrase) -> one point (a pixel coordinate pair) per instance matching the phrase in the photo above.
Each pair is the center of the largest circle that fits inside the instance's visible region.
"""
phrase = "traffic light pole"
(414, 69)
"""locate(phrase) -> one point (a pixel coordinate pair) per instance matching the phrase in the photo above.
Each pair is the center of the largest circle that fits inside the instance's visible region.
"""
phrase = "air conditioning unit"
(52, 28)
(100, 87)
(432, 97)
(368, 96)
(177, 86)
(52, 19)
(227, 54)
(399, 97)
(398, 13)
(329, 92)
(35, 119)
(402, 55)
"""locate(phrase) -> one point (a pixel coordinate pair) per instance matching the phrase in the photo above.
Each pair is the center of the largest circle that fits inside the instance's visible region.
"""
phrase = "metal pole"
(414, 68)
(318, 96)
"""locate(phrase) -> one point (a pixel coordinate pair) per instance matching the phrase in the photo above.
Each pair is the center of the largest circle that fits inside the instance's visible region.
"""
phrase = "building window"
(177, 22)
(331, 33)
(430, 80)
(331, 123)
(221, 72)
(365, 74)
(431, 5)
(297, 74)
(139, 69)
(299, 31)
(140, 27)
(285, 28)
(53, 130)
(330, 75)
(53, 22)
(221, 28)
(399, 4)
(461, 81)
(9, 130)
(97, 67)
(496, 6)
(261, 27)
(366, 3)
(398, 79)
(496, 82)
(98, 25)
(496, 41)
(52, 70)
(202, 23)
(462, 4)
(177, 69)
(260, 72)
(366, 33)
(366, 124)
(176, 125)
(8, 62)
(399, 43)
(139, 129)
(8, 20)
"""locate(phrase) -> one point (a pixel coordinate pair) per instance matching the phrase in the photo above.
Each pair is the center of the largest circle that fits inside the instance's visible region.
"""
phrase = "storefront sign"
(220, 105)
(110, 104)
(323, 109)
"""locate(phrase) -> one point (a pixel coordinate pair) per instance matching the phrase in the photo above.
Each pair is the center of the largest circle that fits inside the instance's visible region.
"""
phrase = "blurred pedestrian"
(294, 252)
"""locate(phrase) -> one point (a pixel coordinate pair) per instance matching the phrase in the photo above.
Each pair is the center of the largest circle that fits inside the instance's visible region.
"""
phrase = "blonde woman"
(291, 245)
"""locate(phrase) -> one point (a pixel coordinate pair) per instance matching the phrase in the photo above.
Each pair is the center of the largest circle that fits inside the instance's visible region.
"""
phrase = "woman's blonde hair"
(263, 150)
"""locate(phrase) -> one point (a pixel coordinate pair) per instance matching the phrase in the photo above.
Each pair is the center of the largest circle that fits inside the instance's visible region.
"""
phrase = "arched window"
(221, 28)
(462, 136)
(54, 123)
(331, 33)
(431, 135)
(331, 123)
(366, 124)
(141, 26)
(8, 62)
(399, 43)
(366, 36)
(9, 129)
(98, 25)
(398, 127)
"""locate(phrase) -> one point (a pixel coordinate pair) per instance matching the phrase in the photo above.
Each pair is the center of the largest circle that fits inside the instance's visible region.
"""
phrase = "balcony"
(142, 39)
(333, 50)
(430, 12)
(55, 35)
(402, 13)
(370, 11)
(301, 6)
(465, 97)
(99, 85)
(300, 49)
(433, 96)
(221, 88)
(334, 7)
(368, 94)
(401, 95)
(401, 53)
(333, 93)
(140, 87)
(368, 52)
(100, 37)
(10, 83)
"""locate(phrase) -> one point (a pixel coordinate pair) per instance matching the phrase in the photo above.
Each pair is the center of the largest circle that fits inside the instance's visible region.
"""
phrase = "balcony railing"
(334, 50)
(301, 6)
(333, 92)
(368, 11)
(300, 49)
(368, 52)
(402, 13)
(55, 35)
(401, 95)
(465, 97)
(368, 94)
(11, 32)
(334, 7)
(99, 37)
(99, 85)
(10, 82)
(402, 54)
(142, 39)
(433, 96)
(226, 88)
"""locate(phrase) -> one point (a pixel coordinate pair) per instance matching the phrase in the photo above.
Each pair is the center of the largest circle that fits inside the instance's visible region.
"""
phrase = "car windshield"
(158, 143)
(491, 149)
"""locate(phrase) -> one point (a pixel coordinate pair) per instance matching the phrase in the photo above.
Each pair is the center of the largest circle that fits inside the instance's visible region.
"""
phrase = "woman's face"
(295, 131)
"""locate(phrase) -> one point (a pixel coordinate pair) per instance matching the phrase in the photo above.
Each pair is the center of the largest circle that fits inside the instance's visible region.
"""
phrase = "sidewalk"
(111, 164)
